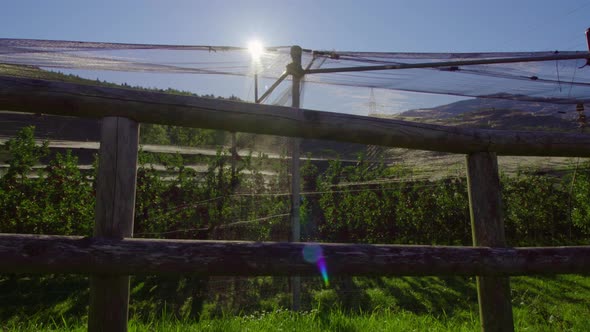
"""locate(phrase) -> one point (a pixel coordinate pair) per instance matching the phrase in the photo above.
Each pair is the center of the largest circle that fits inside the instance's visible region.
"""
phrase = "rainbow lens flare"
(313, 254)
(323, 270)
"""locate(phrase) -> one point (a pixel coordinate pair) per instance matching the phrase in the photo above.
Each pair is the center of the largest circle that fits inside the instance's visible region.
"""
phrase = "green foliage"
(221, 203)
(235, 199)
(580, 192)
(57, 200)
(373, 204)
(182, 136)
(153, 134)
(24, 155)
(364, 203)
(536, 211)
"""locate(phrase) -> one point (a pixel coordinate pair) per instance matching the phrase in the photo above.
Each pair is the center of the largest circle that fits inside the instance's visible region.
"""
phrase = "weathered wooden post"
(114, 212)
(487, 225)
(296, 71)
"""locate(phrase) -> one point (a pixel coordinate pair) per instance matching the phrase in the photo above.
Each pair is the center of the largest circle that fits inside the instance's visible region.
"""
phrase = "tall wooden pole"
(296, 71)
(487, 224)
(114, 213)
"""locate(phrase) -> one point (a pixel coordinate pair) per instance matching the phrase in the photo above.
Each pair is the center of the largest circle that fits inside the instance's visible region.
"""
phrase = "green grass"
(557, 303)
(526, 319)
(551, 304)
(287, 321)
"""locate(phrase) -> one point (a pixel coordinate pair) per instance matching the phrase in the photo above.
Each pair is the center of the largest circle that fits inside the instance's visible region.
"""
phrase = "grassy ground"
(386, 304)
(317, 321)
(286, 321)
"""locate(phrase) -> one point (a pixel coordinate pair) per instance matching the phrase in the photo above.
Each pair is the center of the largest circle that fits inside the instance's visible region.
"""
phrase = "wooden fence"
(112, 255)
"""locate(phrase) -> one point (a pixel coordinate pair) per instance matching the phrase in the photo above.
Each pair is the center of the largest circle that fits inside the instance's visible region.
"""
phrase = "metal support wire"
(272, 88)
(452, 64)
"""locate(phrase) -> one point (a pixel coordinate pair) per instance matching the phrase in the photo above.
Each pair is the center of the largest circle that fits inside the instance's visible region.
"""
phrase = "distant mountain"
(498, 114)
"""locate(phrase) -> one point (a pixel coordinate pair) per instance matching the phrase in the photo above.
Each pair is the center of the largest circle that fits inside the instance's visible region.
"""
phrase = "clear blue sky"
(411, 25)
(398, 26)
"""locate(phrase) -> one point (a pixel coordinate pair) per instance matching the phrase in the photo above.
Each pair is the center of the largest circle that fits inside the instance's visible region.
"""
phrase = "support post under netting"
(295, 69)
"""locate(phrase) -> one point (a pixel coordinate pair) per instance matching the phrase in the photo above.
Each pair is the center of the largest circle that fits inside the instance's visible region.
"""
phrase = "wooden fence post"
(114, 212)
(487, 225)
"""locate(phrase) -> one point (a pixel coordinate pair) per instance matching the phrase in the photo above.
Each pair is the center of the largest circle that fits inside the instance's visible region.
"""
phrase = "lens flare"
(313, 254)
(256, 49)
(324, 270)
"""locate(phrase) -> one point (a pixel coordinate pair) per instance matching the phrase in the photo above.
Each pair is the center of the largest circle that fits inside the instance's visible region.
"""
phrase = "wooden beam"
(70, 254)
(114, 213)
(487, 224)
(59, 98)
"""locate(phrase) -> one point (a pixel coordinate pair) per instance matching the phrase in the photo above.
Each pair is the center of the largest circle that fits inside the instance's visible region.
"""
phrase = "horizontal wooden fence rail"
(80, 255)
(59, 98)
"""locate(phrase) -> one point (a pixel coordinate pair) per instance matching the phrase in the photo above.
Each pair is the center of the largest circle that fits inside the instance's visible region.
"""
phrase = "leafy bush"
(56, 200)
(580, 204)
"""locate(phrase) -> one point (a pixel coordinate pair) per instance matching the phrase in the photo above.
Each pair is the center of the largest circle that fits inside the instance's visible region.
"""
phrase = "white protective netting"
(564, 79)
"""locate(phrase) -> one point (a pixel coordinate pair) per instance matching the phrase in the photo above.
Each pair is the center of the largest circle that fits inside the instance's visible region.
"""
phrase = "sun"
(256, 49)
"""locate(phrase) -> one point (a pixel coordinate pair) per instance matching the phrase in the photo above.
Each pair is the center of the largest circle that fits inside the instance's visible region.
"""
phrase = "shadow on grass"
(42, 298)
(432, 295)
(46, 297)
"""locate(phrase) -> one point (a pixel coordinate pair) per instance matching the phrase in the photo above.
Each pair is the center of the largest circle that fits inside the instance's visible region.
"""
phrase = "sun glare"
(256, 49)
